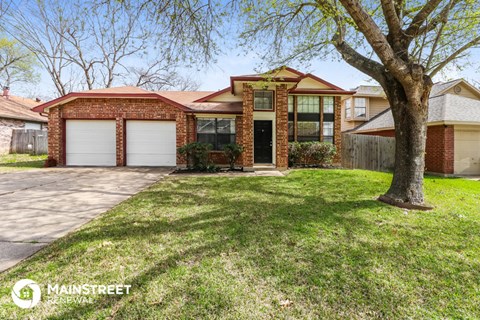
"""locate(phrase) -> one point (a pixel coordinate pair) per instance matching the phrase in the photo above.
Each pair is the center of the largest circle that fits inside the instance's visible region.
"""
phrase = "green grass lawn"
(312, 245)
(15, 162)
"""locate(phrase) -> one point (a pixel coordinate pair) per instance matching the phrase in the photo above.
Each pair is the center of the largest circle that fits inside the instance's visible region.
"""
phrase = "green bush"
(197, 155)
(232, 151)
(310, 153)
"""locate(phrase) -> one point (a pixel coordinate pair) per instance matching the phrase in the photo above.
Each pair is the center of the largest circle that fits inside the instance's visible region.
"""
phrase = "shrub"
(232, 152)
(310, 153)
(197, 155)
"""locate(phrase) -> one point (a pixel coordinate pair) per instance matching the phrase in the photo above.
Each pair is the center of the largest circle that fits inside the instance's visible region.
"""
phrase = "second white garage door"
(467, 152)
(151, 143)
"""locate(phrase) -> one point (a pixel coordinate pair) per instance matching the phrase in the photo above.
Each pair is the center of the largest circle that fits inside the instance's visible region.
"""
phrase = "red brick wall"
(439, 155)
(439, 150)
(281, 108)
(111, 108)
(247, 126)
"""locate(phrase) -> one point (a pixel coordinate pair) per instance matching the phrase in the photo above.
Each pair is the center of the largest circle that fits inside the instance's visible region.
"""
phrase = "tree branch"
(377, 40)
(421, 17)
(454, 55)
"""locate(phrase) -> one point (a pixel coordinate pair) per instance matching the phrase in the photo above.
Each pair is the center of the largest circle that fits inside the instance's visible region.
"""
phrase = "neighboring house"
(15, 113)
(453, 134)
(134, 127)
(366, 103)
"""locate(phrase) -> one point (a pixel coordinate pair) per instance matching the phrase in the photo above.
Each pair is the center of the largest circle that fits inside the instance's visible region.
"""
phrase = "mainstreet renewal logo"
(26, 293)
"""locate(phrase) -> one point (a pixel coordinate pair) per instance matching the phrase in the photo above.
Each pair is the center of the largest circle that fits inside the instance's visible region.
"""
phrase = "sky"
(217, 76)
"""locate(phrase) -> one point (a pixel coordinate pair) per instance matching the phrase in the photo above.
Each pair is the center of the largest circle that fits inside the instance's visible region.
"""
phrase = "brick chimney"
(6, 92)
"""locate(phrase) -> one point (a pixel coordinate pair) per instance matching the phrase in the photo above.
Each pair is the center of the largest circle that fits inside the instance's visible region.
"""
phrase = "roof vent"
(457, 89)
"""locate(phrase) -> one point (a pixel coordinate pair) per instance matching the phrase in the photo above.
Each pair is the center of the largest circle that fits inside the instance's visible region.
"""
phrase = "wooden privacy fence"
(29, 141)
(368, 152)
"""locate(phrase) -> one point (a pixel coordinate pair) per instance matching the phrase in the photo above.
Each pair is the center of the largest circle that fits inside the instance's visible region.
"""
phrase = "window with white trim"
(360, 107)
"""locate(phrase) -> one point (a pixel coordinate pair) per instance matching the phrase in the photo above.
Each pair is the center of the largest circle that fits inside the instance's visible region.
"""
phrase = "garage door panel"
(151, 143)
(91, 142)
(467, 152)
(152, 160)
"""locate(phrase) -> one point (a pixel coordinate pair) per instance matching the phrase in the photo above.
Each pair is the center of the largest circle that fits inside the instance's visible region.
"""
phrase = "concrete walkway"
(39, 206)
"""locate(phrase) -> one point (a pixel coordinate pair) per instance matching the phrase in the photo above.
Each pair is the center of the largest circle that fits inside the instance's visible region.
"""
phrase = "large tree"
(401, 44)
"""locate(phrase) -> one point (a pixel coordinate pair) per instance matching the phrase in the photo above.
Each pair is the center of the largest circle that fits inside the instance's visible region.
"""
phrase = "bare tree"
(86, 45)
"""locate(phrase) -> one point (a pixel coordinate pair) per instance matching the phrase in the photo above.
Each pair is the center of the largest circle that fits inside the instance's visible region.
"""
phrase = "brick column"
(338, 130)
(55, 136)
(247, 128)
(120, 140)
(182, 136)
(281, 100)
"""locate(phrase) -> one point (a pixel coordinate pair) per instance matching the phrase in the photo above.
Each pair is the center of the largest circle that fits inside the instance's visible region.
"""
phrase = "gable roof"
(273, 76)
(118, 92)
(14, 110)
(189, 100)
(447, 108)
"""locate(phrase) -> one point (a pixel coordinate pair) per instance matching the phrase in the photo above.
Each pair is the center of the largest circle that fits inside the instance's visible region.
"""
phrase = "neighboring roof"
(447, 108)
(371, 91)
(14, 110)
(438, 88)
(25, 101)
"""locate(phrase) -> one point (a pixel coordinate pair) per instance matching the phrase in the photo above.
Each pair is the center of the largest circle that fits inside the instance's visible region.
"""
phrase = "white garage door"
(467, 152)
(151, 143)
(90, 143)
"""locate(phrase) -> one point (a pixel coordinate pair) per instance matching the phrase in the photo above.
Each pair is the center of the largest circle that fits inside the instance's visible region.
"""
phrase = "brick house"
(15, 113)
(453, 132)
(129, 126)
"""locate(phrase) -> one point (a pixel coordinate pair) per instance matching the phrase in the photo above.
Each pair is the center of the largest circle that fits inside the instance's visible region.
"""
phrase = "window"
(291, 118)
(348, 108)
(291, 135)
(263, 100)
(308, 117)
(328, 105)
(328, 131)
(360, 107)
(217, 132)
(290, 104)
(308, 131)
(308, 104)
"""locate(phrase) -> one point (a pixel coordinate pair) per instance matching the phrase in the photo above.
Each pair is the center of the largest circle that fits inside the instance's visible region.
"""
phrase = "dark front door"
(262, 141)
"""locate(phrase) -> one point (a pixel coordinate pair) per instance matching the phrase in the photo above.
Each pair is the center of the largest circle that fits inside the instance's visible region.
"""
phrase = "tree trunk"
(410, 113)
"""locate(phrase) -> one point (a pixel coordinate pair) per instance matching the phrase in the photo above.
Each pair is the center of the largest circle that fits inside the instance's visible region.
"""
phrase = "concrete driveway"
(39, 206)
